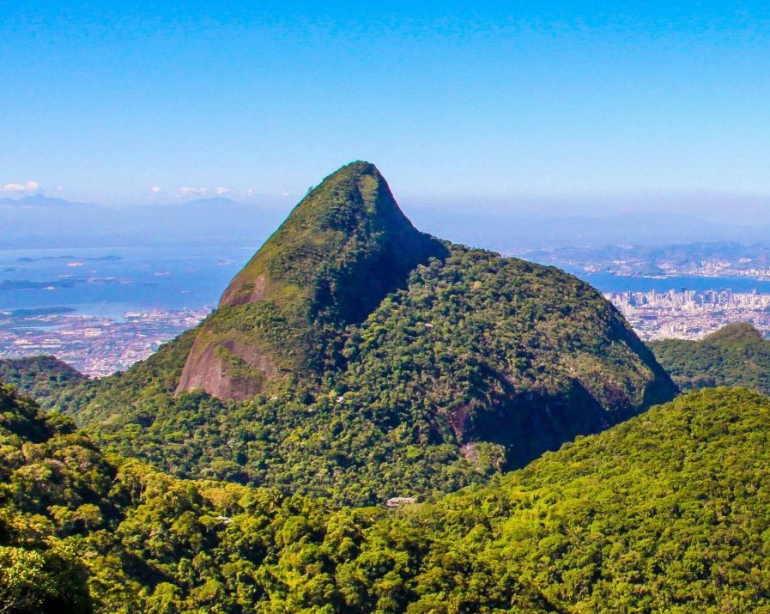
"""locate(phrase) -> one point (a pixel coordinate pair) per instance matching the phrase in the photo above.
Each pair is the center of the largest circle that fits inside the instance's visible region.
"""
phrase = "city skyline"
(690, 314)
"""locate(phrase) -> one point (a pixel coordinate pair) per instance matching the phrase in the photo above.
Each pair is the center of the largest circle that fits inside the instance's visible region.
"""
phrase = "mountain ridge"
(360, 386)
(734, 355)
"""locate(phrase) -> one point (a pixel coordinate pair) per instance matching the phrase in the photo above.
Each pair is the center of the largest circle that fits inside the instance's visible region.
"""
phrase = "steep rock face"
(227, 369)
(342, 249)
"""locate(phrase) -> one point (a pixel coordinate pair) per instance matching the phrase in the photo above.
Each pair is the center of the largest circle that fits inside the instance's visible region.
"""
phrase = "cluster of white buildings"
(97, 346)
(690, 314)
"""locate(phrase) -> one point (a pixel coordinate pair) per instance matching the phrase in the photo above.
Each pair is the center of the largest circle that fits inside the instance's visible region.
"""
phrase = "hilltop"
(42, 377)
(735, 355)
(339, 253)
(357, 358)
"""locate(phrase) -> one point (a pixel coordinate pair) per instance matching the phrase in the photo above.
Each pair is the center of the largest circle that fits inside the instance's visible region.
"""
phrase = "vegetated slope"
(473, 364)
(483, 349)
(50, 477)
(82, 533)
(669, 511)
(666, 512)
(43, 377)
(735, 355)
(342, 249)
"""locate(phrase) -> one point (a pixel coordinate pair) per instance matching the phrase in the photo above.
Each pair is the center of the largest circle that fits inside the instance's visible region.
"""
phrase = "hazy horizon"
(510, 226)
(712, 206)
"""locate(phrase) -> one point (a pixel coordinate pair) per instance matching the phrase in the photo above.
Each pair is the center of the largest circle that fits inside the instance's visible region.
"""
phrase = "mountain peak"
(350, 216)
(342, 249)
(361, 167)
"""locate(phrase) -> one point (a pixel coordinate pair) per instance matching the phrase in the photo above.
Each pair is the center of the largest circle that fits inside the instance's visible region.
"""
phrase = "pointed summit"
(349, 225)
(337, 255)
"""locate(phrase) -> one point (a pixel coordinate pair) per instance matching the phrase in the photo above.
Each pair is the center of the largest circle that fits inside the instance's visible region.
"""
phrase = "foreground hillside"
(669, 511)
(735, 355)
(357, 358)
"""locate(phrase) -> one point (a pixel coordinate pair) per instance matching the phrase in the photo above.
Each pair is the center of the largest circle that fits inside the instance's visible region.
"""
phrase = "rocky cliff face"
(342, 249)
(227, 369)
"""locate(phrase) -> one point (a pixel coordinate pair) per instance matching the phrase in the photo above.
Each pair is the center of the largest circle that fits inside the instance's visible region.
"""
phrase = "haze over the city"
(574, 108)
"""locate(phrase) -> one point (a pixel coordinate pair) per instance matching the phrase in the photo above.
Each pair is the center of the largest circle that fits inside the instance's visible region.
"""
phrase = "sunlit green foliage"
(735, 355)
(669, 511)
(52, 484)
(43, 377)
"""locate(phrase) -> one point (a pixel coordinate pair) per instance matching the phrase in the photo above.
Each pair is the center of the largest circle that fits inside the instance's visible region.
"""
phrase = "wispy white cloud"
(156, 189)
(186, 191)
(221, 191)
(28, 186)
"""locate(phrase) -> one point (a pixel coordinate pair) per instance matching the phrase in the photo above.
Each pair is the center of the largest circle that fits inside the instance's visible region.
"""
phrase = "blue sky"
(485, 102)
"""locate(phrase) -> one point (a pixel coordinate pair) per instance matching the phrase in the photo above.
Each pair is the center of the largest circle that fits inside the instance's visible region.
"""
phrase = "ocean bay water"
(108, 282)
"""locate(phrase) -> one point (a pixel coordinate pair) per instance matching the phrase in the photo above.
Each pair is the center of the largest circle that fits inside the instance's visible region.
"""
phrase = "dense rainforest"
(669, 511)
(377, 421)
(735, 355)
(356, 358)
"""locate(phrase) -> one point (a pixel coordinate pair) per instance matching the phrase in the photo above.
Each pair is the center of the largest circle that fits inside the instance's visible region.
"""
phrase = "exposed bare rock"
(227, 369)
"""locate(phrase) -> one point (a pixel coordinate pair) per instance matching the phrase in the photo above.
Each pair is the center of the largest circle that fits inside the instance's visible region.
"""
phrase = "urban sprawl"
(689, 314)
(96, 346)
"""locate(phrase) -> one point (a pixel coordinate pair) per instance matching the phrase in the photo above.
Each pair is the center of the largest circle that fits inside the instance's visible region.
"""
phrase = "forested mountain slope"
(669, 511)
(43, 377)
(381, 362)
(735, 355)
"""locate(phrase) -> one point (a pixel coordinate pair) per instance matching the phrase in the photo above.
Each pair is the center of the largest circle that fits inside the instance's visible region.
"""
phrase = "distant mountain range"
(40, 201)
(41, 221)
(513, 232)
